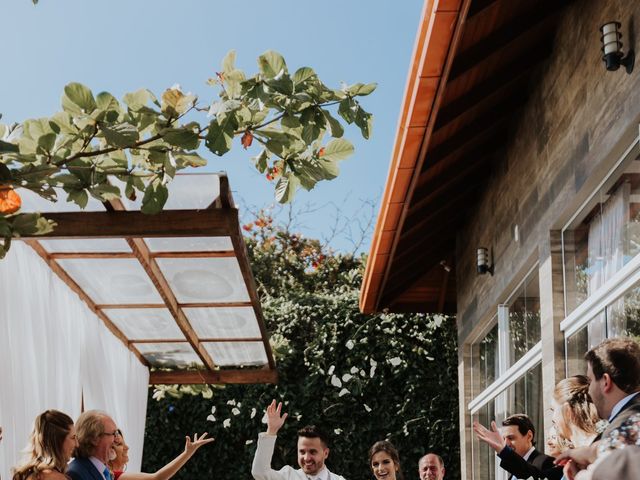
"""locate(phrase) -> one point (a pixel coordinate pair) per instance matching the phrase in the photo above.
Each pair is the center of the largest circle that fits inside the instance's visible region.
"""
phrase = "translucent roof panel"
(227, 354)
(112, 280)
(169, 354)
(145, 323)
(187, 191)
(190, 244)
(228, 322)
(32, 202)
(204, 279)
(84, 245)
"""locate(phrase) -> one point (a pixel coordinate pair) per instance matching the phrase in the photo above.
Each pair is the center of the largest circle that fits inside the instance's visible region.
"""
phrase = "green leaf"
(271, 64)
(364, 120)
(228, 62)
(139, 99)
(79, 197)
(260, 161)
(155, 197)
(302, 75)
(6, 147)
(336, 128)
(80, 96)
(31, 224)
(337, 149)
(5, 173)
(106, 101)
(220, 136)
(175, 103)
(120, 135)
(311, 132)
(361, 89)
(183, 137)
(347, 110)
(286, 188)
(190, 160)
(46, 142)
(105, 192)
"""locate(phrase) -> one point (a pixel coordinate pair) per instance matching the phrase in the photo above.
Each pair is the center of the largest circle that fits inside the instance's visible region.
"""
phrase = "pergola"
(176, 288)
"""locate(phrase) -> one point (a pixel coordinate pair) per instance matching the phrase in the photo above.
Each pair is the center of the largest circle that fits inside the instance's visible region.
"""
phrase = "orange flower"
(247, 227)
(246, 139)
(321, 152)
(10, 201)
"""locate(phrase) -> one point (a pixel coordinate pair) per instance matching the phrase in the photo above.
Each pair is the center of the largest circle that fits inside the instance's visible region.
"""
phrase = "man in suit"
(313, 450)
(431, 467)
(96, 432)
(515, 446)
(613, 369)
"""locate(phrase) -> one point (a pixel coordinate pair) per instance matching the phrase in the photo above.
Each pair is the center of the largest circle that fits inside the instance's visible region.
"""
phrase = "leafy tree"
(98, 146)
(360, 377)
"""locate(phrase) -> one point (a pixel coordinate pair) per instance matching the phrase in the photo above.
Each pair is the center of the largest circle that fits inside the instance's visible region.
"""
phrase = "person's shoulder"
(52, 475)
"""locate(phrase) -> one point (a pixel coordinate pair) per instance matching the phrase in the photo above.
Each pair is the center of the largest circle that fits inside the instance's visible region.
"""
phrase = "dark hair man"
(313, 450)
(613, 369)
(515, 445)
(96, 432)
(431, 467)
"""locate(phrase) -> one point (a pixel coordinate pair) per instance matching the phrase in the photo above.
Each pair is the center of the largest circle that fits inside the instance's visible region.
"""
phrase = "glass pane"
(524, 318)
(32, 202)
(623, 315)
(227, 354)
(484, 457)
(204, 279)
(605, 237)
(145, 323)
(169, 354)
(112, 280)
(236, 322)
(93, 245)
(485, 361)
(577, 344)
(525, 396)
(190, 244)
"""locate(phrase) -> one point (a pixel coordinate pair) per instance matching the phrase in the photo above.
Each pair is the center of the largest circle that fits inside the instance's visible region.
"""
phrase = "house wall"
(577, 122)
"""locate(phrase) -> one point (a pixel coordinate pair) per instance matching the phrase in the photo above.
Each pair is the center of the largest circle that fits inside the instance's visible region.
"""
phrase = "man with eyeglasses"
(96, 432)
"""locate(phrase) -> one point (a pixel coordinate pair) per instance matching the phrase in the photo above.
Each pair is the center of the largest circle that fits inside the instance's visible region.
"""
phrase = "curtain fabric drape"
(54, 350)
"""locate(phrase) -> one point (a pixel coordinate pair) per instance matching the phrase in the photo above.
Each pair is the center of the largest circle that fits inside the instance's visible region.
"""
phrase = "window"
(506, 373)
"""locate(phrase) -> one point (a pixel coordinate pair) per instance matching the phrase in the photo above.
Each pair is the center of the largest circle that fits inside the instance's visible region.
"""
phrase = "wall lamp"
(484, 263)
(612, 48)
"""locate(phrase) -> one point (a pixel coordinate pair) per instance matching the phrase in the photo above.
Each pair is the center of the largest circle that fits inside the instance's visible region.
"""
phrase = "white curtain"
(606, 238)
(53, 350)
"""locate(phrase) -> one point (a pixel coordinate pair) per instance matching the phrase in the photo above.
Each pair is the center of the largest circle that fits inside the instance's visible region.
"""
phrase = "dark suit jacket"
(633, 406)
(538, 466)
(83, 469)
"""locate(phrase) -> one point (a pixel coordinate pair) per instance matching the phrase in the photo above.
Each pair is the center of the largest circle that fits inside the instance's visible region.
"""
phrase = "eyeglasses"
(114, 434)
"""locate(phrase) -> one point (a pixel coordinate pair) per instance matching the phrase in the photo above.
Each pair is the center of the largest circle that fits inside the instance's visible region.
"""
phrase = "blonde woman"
(574, 414)
(50, 448)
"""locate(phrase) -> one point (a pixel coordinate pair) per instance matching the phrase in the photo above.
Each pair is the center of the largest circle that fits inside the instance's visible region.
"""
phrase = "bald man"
(431, 467)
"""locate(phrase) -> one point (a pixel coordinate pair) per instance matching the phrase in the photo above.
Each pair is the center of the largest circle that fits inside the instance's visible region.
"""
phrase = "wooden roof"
(474, 64)
(176, 288)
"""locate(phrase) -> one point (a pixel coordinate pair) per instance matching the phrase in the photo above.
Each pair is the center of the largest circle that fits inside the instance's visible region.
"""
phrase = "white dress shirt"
(261, 468)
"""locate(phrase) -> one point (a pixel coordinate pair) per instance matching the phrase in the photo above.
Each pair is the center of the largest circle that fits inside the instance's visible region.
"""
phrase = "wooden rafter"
(214, 377)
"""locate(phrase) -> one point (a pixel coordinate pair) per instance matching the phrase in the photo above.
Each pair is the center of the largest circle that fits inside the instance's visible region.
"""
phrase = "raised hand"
(275, 419)
(492, 437)
(190, 446)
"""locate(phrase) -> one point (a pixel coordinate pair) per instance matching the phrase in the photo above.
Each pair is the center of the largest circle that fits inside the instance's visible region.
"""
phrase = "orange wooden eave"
(436, 37)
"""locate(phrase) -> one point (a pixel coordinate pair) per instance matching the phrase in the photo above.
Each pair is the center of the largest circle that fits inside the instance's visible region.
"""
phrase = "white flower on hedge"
(335, 381)
(354, 370)
(337, 431)
(226, 423)
(235, 411)
(372, 362)
(213, 409)
(363, 373)
(253, 412)
(438, 319)
(372, 372)
(343, 392)
(211, 418)
(350, 345)
(248, 442)
(158, 394)
(367, 408)
(395, 361)
(231, 402)
(331, 369)
(346, 377)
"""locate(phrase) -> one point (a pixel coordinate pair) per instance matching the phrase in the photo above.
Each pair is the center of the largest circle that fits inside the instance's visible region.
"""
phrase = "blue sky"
(123, 45)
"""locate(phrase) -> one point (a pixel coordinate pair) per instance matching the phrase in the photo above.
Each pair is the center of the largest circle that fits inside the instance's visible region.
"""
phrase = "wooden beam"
(182, 305)
(200, 254)
(93, 255)
(516, 72)
(168, 223)
(238, 376)
(478, 6)
(66, 278)
(245, 267)
(515, 28)
(202, 340)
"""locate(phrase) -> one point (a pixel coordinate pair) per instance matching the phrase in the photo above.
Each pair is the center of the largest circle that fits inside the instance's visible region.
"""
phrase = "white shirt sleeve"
(261, 468)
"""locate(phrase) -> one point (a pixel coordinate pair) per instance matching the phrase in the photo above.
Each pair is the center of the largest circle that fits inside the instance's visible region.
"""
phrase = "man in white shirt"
(313, 450)
(613, 369)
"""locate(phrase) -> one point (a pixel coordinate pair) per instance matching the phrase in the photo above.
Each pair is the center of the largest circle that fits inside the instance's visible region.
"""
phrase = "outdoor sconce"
(484, 262)
(612, 48)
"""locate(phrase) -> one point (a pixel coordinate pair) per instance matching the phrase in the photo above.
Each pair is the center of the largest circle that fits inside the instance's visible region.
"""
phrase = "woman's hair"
(387, 447)
(577, 409)
(44, 451)
(112, 465)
